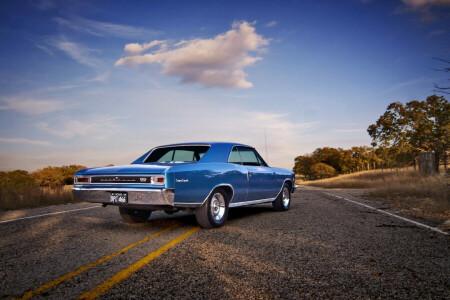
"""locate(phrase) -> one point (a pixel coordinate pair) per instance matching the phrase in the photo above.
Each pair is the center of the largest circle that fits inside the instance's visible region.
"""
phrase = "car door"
(261, 178)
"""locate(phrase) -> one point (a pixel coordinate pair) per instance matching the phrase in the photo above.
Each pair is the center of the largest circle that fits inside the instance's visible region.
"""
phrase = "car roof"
(219, 151)
(205, 143)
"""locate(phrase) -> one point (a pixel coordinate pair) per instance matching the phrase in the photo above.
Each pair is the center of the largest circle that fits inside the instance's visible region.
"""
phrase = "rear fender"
(194, 184)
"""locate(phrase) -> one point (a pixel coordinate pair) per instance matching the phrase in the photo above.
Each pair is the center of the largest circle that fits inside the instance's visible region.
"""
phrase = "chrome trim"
(136, 197)
(142, 175)
(237, 204)
(168, 146)
(120, 189)
(288, 179)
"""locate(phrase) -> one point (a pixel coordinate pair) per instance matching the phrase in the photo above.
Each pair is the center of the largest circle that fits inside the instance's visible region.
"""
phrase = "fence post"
(427, 163)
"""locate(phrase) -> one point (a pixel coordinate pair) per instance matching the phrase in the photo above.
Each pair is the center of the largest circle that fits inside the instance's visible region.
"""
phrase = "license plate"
(119, 198)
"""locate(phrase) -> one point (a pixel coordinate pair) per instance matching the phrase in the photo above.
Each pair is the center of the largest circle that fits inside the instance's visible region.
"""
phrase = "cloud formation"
(422, 3)
(31, 106)
(104, 28)
(423, 7)
(76, 51)
(216, 62)
(99, 128)
(136, 48)
(24, 141)
(271, 24)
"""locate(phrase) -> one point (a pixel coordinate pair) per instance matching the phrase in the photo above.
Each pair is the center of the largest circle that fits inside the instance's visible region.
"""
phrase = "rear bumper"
(136, 197)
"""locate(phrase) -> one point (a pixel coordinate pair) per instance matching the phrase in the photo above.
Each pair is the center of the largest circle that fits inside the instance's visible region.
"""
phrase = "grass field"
(35, 196)
(422, 196)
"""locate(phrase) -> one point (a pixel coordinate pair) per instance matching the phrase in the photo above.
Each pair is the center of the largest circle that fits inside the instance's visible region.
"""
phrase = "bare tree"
(439, 88)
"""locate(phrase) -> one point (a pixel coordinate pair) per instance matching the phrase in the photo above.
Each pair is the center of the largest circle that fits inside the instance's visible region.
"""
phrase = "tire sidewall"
(285, 186)
(211, 219)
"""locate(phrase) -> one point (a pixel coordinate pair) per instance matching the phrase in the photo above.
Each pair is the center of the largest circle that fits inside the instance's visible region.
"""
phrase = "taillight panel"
(158, 180)
(82, 180)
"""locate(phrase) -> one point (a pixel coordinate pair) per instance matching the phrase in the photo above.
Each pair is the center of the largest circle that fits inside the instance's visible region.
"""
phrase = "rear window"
(177, 154)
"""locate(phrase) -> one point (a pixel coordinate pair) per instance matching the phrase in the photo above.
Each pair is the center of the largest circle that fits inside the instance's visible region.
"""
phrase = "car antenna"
(265, 142)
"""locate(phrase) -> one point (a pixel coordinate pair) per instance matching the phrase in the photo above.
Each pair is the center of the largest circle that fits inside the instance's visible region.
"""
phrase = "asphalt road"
(323, 247)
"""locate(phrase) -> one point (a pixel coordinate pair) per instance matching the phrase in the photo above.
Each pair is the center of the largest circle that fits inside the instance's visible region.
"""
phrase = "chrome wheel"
(286, 197)
(217, 206)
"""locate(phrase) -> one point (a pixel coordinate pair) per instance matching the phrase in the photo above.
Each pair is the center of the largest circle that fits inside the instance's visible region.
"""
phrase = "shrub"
(56, 176)
(17, 179)
(321, 170)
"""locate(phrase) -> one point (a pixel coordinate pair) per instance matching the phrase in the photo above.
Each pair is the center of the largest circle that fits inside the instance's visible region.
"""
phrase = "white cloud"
(212, 62)
(421, 3)
(105, 29)
(98, 128)
(32, 106)
(24, 141)
(101, 77)
(359, 130)
(76, 51)
(136, 48)
(271, 24)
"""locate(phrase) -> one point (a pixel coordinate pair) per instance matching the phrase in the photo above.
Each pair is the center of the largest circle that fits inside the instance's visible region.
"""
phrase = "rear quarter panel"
(282, 175)
(193, 183)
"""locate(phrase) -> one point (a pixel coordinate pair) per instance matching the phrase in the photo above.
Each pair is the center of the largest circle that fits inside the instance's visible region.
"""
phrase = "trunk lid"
(151, 169)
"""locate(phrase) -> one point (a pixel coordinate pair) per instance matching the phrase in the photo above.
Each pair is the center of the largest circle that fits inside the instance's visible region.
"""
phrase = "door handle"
(250, 173)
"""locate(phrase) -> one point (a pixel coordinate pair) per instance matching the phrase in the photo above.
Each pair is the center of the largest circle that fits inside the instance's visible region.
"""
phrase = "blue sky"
(95, 82)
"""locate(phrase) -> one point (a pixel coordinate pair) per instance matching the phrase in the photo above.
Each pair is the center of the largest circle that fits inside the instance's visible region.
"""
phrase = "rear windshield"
(177, 154)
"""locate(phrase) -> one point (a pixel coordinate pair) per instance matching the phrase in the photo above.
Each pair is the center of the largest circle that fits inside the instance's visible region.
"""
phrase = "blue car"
(204, 178)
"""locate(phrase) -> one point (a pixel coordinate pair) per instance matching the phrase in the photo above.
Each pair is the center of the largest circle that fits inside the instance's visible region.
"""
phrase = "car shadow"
(188, 219)
(242, 212)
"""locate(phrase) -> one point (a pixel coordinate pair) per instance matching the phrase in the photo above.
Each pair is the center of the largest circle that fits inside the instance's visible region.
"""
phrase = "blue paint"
(193, 181)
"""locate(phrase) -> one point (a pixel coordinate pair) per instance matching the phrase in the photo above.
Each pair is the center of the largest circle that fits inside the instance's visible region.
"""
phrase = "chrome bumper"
(135, 196)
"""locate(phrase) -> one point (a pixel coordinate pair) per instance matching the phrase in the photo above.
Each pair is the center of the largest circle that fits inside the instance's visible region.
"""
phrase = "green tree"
(303, 165)
(321, 171)
(329, 156)
(414, 127)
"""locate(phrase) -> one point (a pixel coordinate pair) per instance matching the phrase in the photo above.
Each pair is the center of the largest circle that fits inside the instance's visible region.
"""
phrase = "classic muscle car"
(204, 178)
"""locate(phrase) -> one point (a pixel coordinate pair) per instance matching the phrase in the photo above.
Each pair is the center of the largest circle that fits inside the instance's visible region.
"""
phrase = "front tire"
(214, 212)
(283, 201)
(131, 215)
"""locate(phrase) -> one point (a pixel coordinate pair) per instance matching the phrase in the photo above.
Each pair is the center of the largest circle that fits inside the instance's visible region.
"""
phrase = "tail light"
(81, 180)
(158, 180)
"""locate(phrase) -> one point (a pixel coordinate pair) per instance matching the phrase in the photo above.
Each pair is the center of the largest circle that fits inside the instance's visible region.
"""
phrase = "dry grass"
(422, 196)
(34, 197)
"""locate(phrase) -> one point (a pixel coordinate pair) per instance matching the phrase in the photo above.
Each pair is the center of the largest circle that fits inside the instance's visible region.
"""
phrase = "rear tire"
(131, 215)
(214, 212)
(283, 201)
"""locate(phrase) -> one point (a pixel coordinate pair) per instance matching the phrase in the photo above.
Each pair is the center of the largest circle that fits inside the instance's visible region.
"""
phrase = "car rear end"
(132, 190)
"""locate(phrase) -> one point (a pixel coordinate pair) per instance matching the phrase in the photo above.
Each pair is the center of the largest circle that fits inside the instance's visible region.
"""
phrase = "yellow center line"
(55, 282)
(125, 273)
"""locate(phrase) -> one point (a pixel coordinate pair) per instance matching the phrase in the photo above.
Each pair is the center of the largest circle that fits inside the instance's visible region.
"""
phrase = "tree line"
(46, 177)
(328, 162)
(398, 136)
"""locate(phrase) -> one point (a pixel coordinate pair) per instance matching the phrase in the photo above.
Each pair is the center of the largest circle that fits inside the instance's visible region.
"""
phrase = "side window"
(234, 157)
(248, 157)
